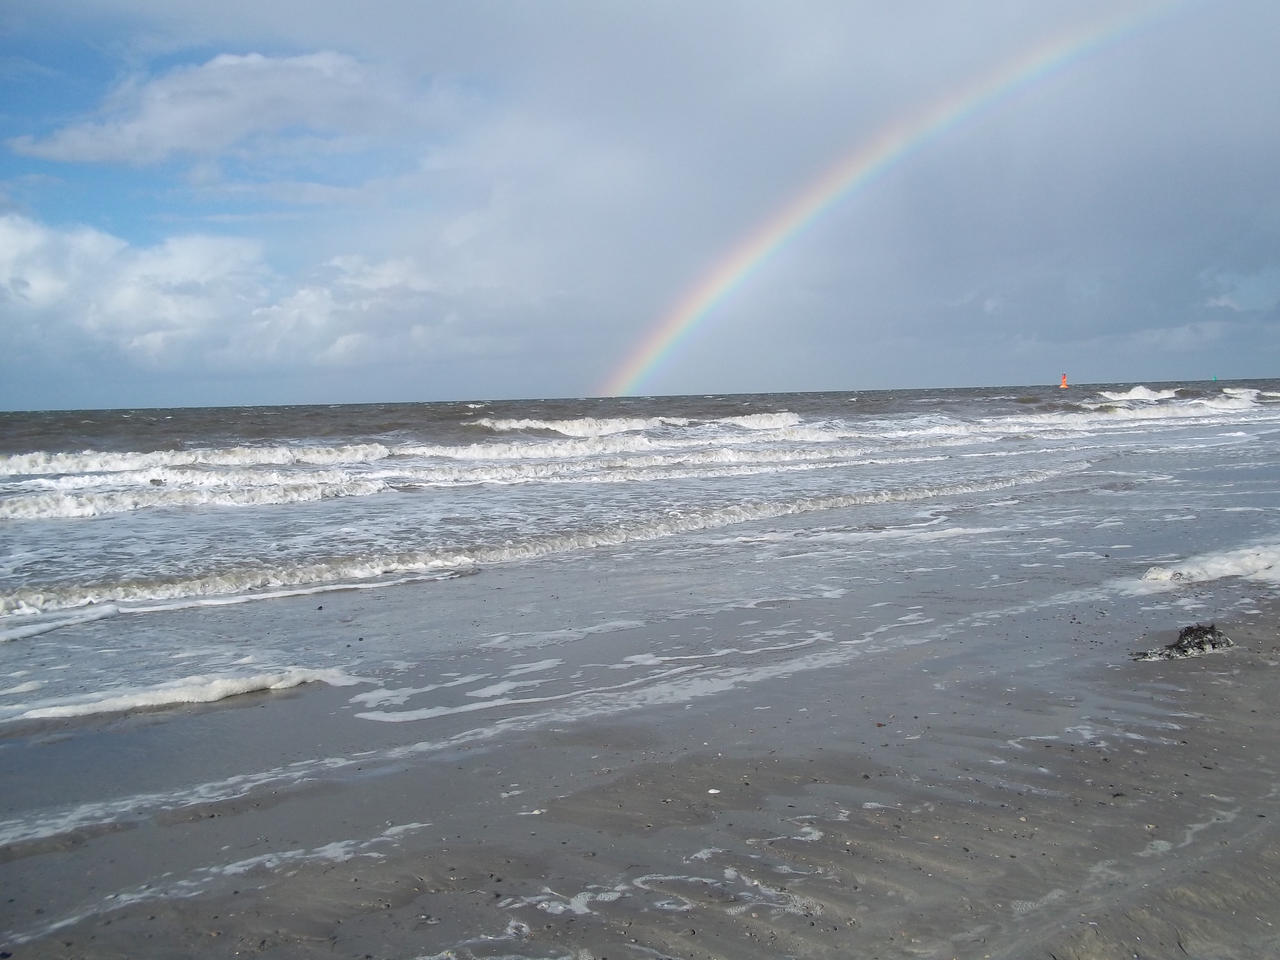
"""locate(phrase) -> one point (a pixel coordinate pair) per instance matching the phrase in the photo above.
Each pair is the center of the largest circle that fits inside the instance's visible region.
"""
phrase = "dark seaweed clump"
(1192, 641)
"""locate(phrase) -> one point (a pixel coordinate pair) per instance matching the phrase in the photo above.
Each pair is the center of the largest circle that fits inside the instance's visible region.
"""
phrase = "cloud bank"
(231, 102)
(275, 201)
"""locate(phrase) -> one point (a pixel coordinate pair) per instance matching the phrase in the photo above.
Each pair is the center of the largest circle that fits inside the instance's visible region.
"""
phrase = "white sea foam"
(537, 666)
(430, 713)
(555, 461)
(178, 477)
(375, 565)
(502, 688)
(214, 590)
(555, 466)
(764, 421)
(917, 533)
(46, 506)
(1260, 562)
(542, 638)
(584, 426)
(95, 461)
(621, 444)
(236, 585)
(382, 696)
(20, 631)
(28, 687)
(195, 689)
(1141, 393)
(607, 426)
(707, 463)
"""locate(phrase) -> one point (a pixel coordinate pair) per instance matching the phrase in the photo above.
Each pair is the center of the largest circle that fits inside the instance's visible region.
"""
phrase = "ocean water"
(450, 577)
(133, 515)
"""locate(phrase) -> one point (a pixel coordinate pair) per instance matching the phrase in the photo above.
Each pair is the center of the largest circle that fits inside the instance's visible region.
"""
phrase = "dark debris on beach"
(1193, 641)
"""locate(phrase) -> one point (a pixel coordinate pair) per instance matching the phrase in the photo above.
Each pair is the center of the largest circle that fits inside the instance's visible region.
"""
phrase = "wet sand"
(993, 799)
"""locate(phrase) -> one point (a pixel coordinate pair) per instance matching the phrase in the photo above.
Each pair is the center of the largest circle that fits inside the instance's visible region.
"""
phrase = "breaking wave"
(194, 689)
(95, 461)
(67, 505)
(451, 561)
(583, 426)
(608, 426)
(1141, 393)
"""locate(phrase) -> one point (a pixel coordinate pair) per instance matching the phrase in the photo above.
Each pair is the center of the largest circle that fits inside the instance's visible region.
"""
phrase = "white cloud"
(148, 304)
(388, 275)
(39, 267)
(322, 101)
(175, 292)
(198, 304)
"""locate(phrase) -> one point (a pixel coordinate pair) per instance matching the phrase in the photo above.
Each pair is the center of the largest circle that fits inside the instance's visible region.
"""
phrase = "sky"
(312, 201)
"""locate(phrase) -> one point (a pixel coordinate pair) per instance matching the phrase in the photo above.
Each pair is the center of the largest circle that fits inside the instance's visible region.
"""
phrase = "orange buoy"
(1063, 384)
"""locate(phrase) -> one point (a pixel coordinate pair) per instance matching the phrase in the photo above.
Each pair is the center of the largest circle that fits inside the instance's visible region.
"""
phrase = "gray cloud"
(1117, 216)
(319, 101)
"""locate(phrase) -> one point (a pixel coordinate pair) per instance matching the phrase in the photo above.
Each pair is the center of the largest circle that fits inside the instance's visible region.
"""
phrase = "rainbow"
(889, 146)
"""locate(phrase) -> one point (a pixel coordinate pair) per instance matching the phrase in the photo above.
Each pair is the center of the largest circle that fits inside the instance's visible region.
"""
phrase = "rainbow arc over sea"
(889, 146)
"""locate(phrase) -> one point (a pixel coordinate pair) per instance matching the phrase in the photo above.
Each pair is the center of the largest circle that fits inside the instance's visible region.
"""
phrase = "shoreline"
(933, 800)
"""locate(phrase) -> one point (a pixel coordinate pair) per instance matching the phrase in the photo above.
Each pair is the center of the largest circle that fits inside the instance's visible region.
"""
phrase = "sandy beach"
(810, 676)
(1034, 792)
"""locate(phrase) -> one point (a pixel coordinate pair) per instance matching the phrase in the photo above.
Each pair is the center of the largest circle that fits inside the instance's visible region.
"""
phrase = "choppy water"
(104, 513)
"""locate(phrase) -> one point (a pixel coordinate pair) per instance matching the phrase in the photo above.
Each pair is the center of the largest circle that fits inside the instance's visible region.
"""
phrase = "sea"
(449, 576)
(129, 515)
